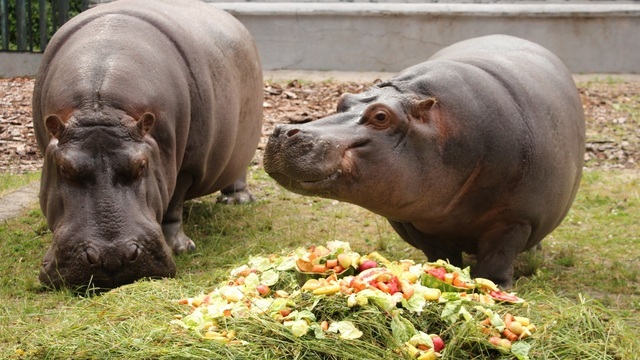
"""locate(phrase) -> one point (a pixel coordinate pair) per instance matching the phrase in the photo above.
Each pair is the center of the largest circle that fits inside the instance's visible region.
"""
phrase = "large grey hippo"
(479, 150)
(138, 106)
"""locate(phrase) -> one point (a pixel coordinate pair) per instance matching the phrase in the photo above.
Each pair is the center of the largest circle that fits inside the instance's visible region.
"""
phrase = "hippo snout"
(293, 140)
(286, 131)
(296, 153)
(112, 260)
(107, 266)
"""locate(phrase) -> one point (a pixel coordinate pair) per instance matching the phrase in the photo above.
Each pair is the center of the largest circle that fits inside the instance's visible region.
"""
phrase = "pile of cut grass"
(134, 322)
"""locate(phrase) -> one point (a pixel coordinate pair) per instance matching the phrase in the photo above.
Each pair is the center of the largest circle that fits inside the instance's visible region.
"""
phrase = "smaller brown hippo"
(138, 106)
(479, 150)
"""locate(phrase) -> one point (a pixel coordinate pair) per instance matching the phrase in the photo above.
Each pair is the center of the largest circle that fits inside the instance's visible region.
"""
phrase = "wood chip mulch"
(612, 112)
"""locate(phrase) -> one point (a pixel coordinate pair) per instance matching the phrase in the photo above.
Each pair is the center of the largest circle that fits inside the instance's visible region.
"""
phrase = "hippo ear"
(145, 123)
(420, 108)
(54, 125)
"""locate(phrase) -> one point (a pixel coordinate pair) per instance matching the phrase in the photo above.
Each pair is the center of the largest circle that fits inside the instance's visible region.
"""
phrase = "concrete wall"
(602, 38)
(590, 37)
(14, 64)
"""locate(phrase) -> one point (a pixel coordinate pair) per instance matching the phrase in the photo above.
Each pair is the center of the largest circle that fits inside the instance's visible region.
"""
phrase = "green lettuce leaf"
(346, 329)
(401, 328)
(269, 277)
(520, 350)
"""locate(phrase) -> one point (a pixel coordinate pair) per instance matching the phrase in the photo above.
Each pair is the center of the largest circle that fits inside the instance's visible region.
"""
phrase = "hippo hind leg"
(433, 247)
(237, 192)
(497, 251)
(172, 230)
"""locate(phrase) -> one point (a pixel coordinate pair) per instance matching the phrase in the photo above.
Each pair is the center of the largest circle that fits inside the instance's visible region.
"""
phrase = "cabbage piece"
(261, 263)
(217, 307)
(238, 270)
(269, 277)
(346, 329)
(297, 327)
(381, 299)
(251, 281)
(417, 301)
(195, 319)
(317, 331)
(421, 338)
(401, 328)
(288, 263)
(337, 246)
(520, 350)
(453, 310)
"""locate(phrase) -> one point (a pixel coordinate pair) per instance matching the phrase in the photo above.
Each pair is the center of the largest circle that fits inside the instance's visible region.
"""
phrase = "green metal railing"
(27, 25)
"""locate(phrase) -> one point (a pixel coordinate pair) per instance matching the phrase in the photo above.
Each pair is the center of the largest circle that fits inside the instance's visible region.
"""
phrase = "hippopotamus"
(477, 150)
(138, 106)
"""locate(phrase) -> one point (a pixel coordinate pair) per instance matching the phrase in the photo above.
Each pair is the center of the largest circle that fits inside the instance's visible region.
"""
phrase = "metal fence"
(27, 25)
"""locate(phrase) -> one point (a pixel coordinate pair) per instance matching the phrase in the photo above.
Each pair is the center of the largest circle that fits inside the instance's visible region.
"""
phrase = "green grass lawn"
(10, 182)
(583, 286)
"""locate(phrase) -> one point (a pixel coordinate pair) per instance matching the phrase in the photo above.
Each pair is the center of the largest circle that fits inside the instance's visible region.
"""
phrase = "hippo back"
(185, 61)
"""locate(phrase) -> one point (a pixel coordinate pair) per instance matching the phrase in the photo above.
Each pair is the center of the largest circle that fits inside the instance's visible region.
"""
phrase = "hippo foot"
(182, 243)
(237, 197)
(177, 240)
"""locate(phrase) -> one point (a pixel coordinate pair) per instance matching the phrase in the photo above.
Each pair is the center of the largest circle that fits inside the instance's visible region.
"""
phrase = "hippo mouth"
(306, 187)
(320, 183)
(104, 266)
(321, 180)
(94, 278)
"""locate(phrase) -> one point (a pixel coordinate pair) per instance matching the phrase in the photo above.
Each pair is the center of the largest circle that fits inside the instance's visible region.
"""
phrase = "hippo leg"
(237, 192)
(177, 240)
(432, 246)
(497, 251)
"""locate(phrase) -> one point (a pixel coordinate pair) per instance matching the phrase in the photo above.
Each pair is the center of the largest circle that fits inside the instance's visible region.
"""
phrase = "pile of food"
(288, 289)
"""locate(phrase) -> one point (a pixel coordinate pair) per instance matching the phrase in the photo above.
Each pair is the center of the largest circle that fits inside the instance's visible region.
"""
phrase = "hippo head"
(103, 195)
(377, 151)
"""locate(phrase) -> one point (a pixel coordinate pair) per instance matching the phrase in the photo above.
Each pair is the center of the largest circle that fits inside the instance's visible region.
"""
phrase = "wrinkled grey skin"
(478, 150)
(138, 106)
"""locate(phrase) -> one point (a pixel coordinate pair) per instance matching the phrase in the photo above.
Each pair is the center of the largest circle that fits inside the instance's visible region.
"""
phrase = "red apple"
(263, 289)
(438, 343)
(368, 264)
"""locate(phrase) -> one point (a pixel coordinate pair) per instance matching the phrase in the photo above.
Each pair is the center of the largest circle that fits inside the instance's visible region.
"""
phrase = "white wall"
(590, 37)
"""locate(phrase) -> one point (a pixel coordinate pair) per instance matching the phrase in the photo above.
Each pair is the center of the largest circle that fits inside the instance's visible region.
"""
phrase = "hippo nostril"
(93, 257)
(134, 252)
(292, 132)
(276, 131)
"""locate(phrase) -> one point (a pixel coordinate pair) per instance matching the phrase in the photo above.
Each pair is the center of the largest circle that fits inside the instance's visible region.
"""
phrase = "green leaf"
(520, 349)
(451, 311)
(269, 277)
(297, 327)
(401, 328)
(261, 263)
(346, 329)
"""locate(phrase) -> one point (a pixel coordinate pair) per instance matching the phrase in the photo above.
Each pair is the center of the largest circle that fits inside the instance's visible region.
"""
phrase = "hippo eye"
(66, 172)
(142, 168)
(63, 171)
(380, 116)
(380, 119)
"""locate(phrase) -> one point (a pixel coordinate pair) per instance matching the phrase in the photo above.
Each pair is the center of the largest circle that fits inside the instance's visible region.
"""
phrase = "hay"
(138, 321)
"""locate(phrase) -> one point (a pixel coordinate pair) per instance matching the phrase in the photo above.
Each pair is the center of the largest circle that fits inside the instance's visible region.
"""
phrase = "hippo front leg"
(174, 235)
(497, 251)
(237, 192)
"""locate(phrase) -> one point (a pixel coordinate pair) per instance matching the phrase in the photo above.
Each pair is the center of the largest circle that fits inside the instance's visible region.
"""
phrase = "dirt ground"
(612, 109)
